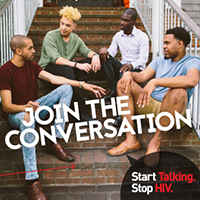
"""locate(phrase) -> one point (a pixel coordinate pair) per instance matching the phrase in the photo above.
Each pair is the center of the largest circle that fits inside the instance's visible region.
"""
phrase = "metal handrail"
(15, 18)
(187, 20)
(4, 5)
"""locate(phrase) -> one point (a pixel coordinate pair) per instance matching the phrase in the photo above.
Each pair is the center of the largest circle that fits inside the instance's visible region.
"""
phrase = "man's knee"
(66, 89)
(68, 72)
(176, 96)
(121, 88)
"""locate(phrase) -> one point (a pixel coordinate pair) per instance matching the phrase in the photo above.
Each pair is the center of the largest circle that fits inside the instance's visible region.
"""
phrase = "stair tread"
(54, 15)
(79, 32)
(83, 8)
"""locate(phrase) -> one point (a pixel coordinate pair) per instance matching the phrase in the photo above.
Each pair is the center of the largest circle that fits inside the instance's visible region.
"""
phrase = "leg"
(112, 67)
(174, 99)
(82, 75)
(29, 154)
(61, 95)
(67, 72)
(131, 143)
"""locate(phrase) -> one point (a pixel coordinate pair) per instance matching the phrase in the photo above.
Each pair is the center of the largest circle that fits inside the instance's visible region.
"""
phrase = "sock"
(30, 182)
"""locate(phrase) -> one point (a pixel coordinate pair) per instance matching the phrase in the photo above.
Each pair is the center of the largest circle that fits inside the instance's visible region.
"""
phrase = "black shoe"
(112, 93)
(85, 118)
(118, 121)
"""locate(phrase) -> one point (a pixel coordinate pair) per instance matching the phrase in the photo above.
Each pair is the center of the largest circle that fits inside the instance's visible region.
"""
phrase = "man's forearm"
(61, 80)
(176, 82)
(13, 108)
(137, 77)
(90, 54)
(63, 61)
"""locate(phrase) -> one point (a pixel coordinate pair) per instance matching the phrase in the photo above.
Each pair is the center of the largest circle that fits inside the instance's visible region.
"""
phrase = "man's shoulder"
(32, 66)
(121, 32)
(191, 61)
(191, 57)
(140, 32)
(6, 67)
(74, 36)
(52, 34)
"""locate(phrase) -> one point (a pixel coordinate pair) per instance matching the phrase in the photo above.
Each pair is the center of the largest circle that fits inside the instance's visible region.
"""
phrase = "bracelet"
(81, 84)
(96, 54)
(75, 64)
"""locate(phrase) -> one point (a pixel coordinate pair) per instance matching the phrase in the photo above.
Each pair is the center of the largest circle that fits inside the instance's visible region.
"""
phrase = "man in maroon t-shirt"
(19, 90)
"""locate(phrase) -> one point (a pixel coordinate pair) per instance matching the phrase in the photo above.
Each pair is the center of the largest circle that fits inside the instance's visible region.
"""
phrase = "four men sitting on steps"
(176, 75)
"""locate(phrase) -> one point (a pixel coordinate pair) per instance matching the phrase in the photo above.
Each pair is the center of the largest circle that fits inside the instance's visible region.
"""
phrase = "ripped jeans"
(61, 95)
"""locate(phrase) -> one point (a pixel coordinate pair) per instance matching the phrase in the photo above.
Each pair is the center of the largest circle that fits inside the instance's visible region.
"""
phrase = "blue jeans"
(61, 95)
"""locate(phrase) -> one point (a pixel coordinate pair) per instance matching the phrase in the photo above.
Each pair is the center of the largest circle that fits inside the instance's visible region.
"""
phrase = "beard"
(172, 56)
(165, 57)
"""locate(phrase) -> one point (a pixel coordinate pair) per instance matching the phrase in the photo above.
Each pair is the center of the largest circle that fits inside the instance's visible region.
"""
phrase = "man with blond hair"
(59, 49)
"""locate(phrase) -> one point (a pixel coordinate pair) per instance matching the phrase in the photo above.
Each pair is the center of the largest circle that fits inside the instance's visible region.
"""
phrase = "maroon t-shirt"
(22, 81)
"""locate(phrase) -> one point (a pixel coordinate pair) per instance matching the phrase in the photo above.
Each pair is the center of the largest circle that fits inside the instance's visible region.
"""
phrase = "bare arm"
(104, 54)
(144, 75)
(188, 81)
(11, 108)
(63, 61)
(59, 80)
(82, 66)
(129, 78)
(95, 63)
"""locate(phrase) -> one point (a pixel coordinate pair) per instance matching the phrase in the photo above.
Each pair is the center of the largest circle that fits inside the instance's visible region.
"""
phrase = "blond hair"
(70, 13)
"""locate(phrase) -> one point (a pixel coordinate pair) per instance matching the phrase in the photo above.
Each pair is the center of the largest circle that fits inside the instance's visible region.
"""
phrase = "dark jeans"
(112, 67)
(73, 74)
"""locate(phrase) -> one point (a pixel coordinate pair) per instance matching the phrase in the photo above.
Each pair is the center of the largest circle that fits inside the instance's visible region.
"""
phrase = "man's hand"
(125, 81)
(126, 67)
(96, 65)
(33, 105)
(104, 54)
(84, 66)
(146, 92)
(95, 89)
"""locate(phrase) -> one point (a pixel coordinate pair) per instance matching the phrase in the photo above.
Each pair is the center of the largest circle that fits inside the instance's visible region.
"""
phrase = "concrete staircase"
(96, 175)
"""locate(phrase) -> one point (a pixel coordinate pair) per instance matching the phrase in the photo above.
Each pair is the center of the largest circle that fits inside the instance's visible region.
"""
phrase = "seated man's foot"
(59, 152)
(35, 191)
(118, 121)
(152, 157)
(123, 149)
(112, 93)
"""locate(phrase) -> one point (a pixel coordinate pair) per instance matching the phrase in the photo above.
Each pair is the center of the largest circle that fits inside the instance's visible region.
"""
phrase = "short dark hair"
(181, 34)
(17, 41)
(131, 12)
